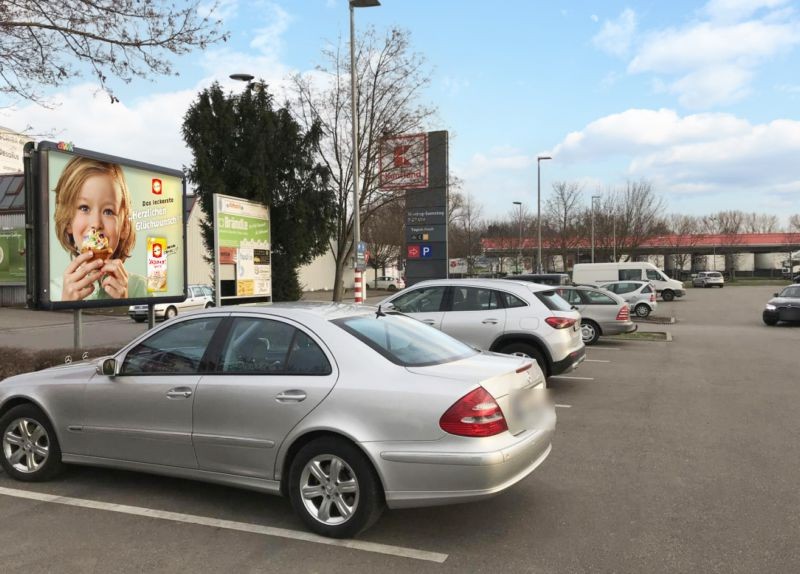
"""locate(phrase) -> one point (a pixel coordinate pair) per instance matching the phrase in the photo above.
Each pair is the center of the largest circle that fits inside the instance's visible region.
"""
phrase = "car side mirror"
(387, 307)
(775, 295)
(108, 367)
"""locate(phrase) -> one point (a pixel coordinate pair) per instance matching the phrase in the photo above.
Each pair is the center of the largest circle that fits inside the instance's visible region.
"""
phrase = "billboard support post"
(77, 330)
(151, 316)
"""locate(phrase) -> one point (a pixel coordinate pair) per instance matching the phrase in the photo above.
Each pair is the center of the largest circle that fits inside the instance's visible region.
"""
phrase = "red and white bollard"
(357, 289)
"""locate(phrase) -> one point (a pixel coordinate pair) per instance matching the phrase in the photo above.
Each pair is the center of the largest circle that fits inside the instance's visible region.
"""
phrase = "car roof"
(309, 309)
(486, 283)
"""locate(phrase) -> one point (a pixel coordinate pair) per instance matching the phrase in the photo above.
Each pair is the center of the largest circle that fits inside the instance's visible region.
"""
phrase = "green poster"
(12, 256)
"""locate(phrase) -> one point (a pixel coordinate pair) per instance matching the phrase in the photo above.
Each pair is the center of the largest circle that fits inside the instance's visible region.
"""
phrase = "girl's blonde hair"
(69, 185)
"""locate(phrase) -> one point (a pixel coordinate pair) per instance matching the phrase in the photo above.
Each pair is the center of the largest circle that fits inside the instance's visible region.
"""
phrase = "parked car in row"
(785, 306)
(602, 313)
(599, 273)
(543, 278)
(512, 317)
(389, 283)
(284, 399)
(640, 295)
(197, 297)
(708, 279)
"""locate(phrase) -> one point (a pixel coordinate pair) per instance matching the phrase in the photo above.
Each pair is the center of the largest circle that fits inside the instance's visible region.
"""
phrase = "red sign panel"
(413, 252)
(404, 162)
(227, 255)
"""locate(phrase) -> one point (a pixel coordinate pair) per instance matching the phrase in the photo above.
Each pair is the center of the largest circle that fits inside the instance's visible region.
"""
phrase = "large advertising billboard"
(242, 233)
(114, 232)
(12, 256)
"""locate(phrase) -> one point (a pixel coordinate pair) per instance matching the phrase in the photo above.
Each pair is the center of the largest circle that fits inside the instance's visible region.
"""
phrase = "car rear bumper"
(619, 327)
(414, 479)
(138, 313)
(570, 363)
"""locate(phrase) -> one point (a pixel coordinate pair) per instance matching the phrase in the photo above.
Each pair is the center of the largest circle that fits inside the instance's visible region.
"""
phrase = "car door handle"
(293, 396)
(490, 321)
(429, 321)
(179, 393)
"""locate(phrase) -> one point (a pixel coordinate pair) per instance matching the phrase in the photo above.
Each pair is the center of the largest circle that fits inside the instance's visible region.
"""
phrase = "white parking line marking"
(576, 378)
(399, 551)
(596, 348)
(596, 361)
(563, 406)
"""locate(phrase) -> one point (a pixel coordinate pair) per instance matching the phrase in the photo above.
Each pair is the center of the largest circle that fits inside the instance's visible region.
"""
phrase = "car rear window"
(405, 341)
(553, 301)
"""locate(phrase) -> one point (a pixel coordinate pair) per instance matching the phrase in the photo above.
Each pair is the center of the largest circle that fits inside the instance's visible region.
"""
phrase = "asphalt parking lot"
(676, 456)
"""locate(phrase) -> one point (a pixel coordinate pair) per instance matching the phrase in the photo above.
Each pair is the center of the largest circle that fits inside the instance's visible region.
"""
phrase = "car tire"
(590, 332)
(208, 305)
(771, 321)
(170, 313)
(139, 319)
(392, 288)
(365, 500)
(527, 350)
(667, 295)
(30, 449)
(642, 310)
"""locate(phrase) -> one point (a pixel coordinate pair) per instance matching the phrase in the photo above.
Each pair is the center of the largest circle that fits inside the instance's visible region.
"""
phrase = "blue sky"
(699, 98)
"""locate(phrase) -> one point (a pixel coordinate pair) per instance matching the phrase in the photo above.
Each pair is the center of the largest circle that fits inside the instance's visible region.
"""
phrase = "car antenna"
(379, 313)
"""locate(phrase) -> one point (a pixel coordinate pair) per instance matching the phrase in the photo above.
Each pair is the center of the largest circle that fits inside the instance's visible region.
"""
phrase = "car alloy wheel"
(589, 333)
(642, 310)
(26, 445)
(329, 488)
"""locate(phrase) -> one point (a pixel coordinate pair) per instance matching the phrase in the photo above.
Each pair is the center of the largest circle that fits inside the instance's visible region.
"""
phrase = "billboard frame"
(37, 198)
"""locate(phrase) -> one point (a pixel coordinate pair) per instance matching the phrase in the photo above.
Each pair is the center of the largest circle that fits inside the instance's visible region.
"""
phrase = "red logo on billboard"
(400, 159)
(157, 250)
(156, 187)
(404, 162)
(413, 252)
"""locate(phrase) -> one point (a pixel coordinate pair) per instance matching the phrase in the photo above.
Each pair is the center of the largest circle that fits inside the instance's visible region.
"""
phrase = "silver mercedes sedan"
(343, 409)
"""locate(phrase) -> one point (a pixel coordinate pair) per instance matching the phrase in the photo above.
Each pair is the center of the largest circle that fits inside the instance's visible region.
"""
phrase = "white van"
(597, 273)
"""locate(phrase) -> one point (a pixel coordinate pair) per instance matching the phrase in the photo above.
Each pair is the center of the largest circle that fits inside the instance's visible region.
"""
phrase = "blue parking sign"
(426, 251)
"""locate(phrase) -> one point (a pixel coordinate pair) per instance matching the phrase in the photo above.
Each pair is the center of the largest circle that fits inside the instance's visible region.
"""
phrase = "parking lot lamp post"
(356, 174)
(519, 245)
(594, 197)
(539, 160)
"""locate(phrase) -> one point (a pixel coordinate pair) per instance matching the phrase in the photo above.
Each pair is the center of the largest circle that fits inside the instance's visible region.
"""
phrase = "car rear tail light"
(559, 322)
(652, 297)
(475, 414)
(624, 314)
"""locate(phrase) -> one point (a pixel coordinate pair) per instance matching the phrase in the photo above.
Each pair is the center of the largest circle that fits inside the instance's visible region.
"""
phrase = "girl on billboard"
(92, 220)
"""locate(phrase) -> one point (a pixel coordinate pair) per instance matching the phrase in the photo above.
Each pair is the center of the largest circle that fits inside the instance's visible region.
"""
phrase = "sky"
(701, 99)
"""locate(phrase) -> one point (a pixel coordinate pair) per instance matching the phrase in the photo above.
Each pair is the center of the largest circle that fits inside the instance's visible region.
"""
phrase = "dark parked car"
(543, 278)
(785, 306)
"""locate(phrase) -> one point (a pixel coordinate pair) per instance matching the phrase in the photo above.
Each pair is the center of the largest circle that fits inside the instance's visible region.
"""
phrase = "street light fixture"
(242, 77)
(594, 197)
(539, 160)
(519, 245)
(356, 173)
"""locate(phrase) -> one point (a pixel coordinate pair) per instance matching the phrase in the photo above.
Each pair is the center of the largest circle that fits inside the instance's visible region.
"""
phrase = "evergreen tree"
(246, 148)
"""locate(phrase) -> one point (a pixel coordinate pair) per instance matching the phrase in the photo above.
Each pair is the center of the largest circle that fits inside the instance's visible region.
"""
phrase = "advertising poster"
(243, 238)
(116, 231)
(12, 256)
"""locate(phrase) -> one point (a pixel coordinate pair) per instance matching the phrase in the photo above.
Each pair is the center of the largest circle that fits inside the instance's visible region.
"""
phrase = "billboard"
(404, 162)
(114, 232)
(12, 256)
(242, 239)
(11, 144)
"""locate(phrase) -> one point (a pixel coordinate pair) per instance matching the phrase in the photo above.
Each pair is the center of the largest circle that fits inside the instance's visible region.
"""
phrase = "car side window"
(474, 299)
(647, 289)
(511, 301)
(630, 274)
(611, 287)
(596, 298)
(422, 300)
(626, 287)
(306, 358)
(174, 350)
(207, 292)
(653, 275)
(257, 345)
(571, 296)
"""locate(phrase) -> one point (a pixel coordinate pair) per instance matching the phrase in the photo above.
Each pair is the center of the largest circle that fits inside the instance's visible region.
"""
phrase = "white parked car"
(708, 279)
(389, 283)
(197, 297)
(513, 317)
(640, 295)
(600, 273)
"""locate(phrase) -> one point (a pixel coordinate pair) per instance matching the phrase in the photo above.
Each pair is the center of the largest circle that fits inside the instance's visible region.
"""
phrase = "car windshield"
(793, 292)
(405, 341)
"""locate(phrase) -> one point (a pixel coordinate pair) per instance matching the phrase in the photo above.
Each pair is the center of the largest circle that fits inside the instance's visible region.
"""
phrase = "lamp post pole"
(539, 160)
(519, 245)
(594, 197)
(356, 172)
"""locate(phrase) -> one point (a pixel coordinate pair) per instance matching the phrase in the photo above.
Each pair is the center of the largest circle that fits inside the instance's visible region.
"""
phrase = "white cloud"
(693, 154)
(713, 62)
(616, 35)
(735, 10)
(594, 18)
(503, 158)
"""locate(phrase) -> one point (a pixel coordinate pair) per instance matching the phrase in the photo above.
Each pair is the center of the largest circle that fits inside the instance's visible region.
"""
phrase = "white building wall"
(198, 270)
(744, 262)
(770, 260)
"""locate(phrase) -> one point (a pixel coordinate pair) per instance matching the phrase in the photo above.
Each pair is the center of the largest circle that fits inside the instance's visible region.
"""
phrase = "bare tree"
(682, 238)
(44, 44)
(465, 229)
(794, 223)
(760, 223)
(730, 226)
(563, 214)
(391, 80)
(383, 235)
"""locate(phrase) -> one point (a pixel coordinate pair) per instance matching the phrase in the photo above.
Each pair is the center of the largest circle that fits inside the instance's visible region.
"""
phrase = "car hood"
(784, 300)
